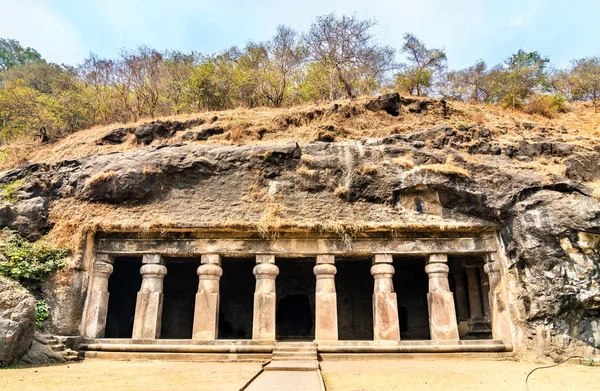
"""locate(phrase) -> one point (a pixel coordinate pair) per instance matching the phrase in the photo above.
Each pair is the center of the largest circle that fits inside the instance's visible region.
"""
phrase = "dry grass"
(366, 169)
(595, 188)
(548, 167)
(100, 178)
(302, 123)
(404, 162)
(306, 172)
(448, 168)
(341, 192)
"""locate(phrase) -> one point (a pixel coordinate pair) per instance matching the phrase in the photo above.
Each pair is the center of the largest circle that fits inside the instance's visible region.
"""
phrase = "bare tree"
(143, 68)
(285, 56)
(346, 47)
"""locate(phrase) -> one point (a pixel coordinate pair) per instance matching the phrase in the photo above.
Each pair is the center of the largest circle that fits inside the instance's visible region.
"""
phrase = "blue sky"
(66, 31)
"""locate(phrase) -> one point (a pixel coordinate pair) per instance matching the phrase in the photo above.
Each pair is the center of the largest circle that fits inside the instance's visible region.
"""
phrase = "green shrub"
(42, 312)
(25, 260)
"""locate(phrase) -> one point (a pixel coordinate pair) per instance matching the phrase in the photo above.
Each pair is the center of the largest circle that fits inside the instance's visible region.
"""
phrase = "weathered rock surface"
(549, 224)
(40, 353)
(17, 321)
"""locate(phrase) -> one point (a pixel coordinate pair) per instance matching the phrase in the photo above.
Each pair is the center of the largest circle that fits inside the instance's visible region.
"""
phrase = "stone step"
(294, 348)
(296, 344)
(225, 357)
(298, 359)
(292, 366)
(57, 347)
(296, 354)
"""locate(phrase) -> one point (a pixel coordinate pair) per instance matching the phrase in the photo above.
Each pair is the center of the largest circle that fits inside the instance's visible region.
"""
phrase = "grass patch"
(8, 191)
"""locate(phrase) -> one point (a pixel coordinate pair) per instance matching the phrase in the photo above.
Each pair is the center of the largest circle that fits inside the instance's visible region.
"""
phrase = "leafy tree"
(13, 54)
(585, 80)
(345, 47)
(424, 64)
(523, 75)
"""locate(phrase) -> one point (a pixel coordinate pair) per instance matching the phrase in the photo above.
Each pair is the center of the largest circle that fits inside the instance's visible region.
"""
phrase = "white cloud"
(33, 23)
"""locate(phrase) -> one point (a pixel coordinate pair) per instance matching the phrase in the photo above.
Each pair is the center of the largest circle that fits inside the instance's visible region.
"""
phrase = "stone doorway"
(354, 285)
(470, 285)
(237, 298)
(411, 286)
(180, 287)
(123, 286)
(295, 311)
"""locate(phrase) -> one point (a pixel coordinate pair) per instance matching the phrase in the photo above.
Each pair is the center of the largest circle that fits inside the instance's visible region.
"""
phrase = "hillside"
(390, 165)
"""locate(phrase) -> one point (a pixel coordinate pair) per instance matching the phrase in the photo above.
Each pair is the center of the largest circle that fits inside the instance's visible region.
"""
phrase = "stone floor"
(362, 375)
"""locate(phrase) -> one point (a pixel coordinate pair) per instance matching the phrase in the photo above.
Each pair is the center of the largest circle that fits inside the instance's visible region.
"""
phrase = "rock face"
(549, 224)
(17, 321)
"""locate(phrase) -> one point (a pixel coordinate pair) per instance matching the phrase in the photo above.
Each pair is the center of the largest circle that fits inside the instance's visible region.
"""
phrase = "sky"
(66, 31)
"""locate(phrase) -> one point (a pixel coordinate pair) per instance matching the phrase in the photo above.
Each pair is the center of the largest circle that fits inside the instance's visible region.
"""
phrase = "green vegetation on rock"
(7, 192)
(42, 312)
(24, 260)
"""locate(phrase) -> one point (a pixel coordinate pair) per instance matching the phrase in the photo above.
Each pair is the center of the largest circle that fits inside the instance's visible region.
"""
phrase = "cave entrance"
(180, 287)
(411, 285)
(295, 312)
(237, 298)
(123, 286)
(471, 287)
(354, 286)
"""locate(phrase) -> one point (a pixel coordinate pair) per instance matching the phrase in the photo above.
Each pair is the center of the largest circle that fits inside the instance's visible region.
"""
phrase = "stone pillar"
(206, 311)
(485, 292)
(326, 321)
(265, 300)
(386, 326)
(474, 295)
(440, 301)
(462, 300)
(148, 306)
(500, 317)
(97, 307)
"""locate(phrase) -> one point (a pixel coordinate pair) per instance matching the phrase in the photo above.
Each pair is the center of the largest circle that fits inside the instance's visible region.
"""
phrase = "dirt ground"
(375, 375)
(106, 375)
(449, 375)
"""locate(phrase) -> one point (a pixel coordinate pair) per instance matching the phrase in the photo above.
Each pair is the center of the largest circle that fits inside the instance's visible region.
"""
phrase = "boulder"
(40, 353)
(115, 136)
(17, 321)
(390, 103)
(583, 167)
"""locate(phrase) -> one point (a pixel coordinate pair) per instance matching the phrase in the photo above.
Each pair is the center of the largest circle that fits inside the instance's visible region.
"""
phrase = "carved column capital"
(325, 271)
(265, 271)
(210, 272)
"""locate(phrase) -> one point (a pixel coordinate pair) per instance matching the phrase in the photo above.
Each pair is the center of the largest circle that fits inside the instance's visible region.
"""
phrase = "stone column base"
(95, 324)
(264, 316)
(326, 327)
(442, 316)
(206, 316)
(385, 317)
(148, 315)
